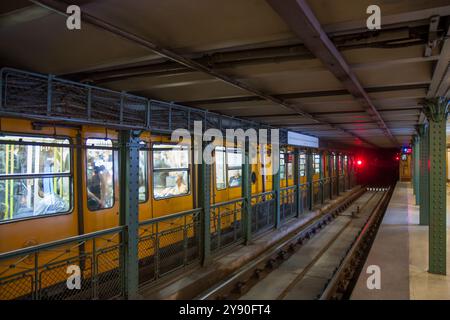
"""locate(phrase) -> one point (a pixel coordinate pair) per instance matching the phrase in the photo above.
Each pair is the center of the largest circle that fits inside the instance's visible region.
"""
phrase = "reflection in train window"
(221, 174)
(35, 177)
(100, 174)
(170, 170)
(234, 167)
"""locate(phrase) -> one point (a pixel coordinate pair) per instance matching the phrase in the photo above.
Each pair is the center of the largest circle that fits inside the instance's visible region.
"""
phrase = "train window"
(316, 164)
(234, 167)
(221, 173)
(302, 164)
(345, 164)
(100, 174)
(282, 166)
(286, 164)
(143, 184)
(35, 177)
(170, 170)
(289, 164)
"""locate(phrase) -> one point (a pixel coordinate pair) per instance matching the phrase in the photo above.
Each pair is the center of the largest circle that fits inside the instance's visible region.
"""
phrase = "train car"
(62, 181)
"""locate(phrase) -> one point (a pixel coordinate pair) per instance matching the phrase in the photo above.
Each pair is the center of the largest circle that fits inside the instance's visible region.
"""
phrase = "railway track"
(319, 262)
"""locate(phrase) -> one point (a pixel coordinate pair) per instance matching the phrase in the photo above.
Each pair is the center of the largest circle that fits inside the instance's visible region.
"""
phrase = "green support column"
(309, 178)
(204, 194)
(436, 111)
(417, 169)
(298, 198)
(330, 173)
(129, 209)
(423, 167)
(247, 193)
(322, 186)
(276, 189)
(336, 165)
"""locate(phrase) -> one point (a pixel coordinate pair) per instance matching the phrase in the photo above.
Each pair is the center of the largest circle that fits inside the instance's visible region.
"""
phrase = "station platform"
(400, 250)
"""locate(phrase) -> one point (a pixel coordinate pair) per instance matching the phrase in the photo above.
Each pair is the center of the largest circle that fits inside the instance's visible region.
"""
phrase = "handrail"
(220, 204)
(266, 193)
(56, 243)
(289, 188)
(170, 216)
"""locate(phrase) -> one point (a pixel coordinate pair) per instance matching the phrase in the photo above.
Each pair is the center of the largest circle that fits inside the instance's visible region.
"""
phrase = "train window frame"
(234, 167)
(225, 171)
(302, 164)
(188, 170)
(146, 152)
(282, 156)
(316, 164)
(87, 147)
(69, 175)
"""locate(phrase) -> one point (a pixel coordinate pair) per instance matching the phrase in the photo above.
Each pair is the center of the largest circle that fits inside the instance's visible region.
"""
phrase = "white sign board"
(301, 140)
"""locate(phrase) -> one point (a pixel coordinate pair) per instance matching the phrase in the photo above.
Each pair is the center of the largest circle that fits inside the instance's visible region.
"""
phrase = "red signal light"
(359, 163)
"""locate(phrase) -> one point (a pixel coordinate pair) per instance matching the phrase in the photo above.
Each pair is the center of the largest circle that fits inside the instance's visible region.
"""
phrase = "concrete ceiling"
(250, 42)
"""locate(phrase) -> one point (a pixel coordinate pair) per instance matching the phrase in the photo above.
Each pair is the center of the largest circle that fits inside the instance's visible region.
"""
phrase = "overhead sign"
(301, 140)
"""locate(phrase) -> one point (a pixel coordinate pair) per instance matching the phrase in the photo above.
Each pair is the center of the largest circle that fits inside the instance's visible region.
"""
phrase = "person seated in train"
(180, 187)
(235, 180)
(47, 200)
(97, 187)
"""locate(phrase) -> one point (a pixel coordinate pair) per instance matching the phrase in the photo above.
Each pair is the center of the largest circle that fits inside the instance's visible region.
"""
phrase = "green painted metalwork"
(298, 197)
(416, 176)
(436, 111)
(423, 178)
(309, 177)
(276, 189)
(330, 173)
(336, 165)
(322, 185)
(204, 188)
(247, 193)
(129, 209)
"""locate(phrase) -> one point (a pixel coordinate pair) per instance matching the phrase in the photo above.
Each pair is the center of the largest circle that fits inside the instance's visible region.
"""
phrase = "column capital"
(436, 109)
(420, 128)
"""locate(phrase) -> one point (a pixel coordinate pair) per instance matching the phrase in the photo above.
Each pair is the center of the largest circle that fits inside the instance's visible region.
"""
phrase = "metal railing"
(263, 212)
(226, 224)
(341, 183)
(326, 183)
(168, 243)
(304, 198)
(334, 186)
(43, 271)
(288, 202)
(46, 97)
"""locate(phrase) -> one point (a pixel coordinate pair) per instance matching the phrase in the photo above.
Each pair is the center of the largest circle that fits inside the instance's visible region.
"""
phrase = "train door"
(37, 202)
(100, 167)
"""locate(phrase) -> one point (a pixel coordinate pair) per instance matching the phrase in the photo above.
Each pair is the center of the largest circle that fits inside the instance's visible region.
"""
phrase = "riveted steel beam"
(204, 195)
(423, 177)
(60, 7)
(300, 18)
(247, 193)
(416, 149)
(436, 111)
(129, 210)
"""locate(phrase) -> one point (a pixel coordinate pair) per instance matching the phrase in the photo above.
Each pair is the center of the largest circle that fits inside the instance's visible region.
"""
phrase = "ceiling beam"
(439, 80)
(302, 21)
(309, 94)
(60, 7)
(326, 113)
